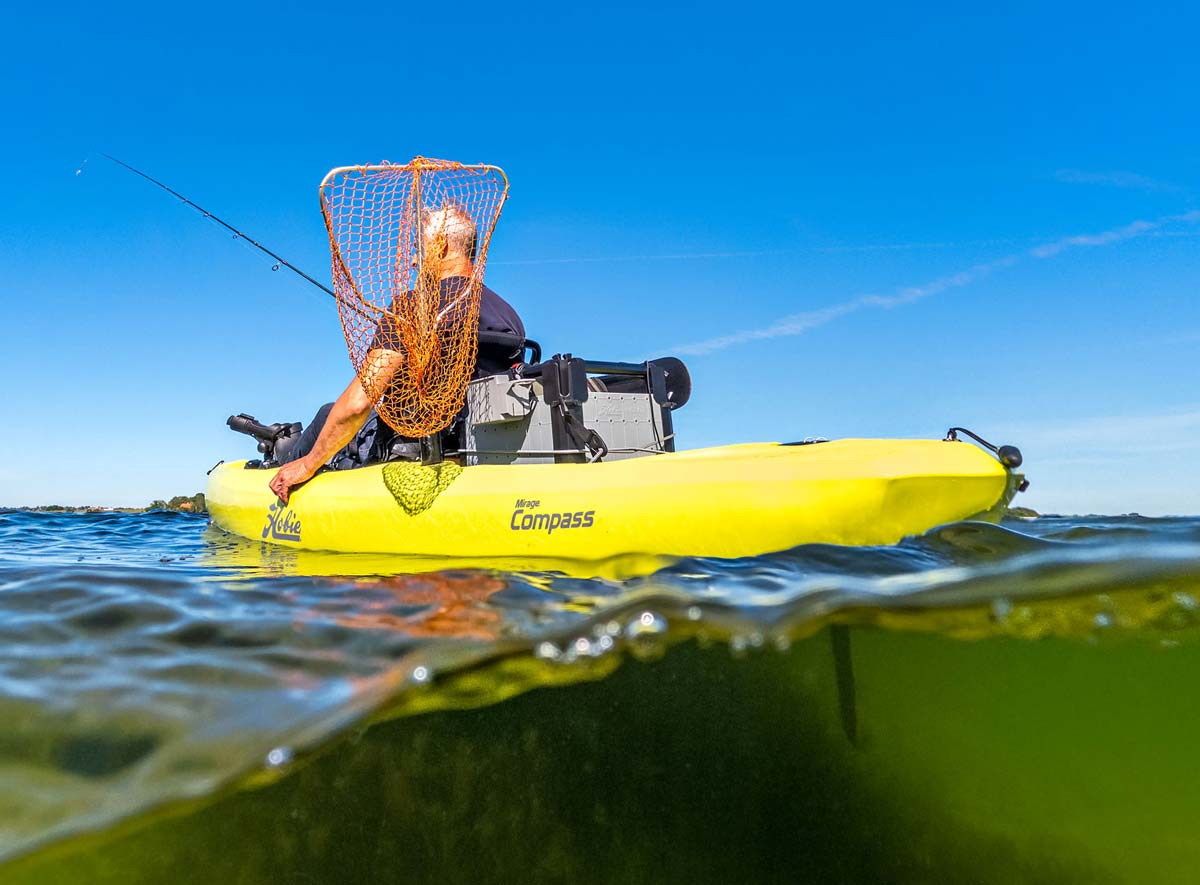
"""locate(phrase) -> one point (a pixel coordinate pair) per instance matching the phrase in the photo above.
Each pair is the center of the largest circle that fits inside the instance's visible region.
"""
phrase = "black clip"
(564, 381)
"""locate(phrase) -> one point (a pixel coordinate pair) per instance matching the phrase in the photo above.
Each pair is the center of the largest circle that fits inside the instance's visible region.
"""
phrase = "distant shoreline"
(180, 504)
(83, 508)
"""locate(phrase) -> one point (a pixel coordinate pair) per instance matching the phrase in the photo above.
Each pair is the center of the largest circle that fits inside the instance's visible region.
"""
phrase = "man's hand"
(346, 418)
(289, 476)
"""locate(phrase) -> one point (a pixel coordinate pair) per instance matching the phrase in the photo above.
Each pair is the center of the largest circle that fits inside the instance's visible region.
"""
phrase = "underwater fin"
(843, 669)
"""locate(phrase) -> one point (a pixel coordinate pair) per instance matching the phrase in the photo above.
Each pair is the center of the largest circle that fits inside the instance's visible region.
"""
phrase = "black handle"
(1009, 456)
(251, 426)
(518, 343)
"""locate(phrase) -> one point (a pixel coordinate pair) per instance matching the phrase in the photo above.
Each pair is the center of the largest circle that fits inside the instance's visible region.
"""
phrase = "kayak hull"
(728, 501)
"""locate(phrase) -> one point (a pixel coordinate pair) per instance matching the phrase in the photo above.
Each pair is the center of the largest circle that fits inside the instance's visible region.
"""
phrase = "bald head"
(448, 232)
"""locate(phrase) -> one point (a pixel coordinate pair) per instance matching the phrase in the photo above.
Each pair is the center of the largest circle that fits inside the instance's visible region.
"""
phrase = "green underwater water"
(990, 761)
(982, 705)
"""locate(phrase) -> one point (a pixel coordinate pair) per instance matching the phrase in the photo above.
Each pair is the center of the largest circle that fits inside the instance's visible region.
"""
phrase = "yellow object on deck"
(728, 501)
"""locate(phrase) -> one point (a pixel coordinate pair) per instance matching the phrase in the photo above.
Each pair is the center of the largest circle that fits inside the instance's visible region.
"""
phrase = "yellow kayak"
(727, 501)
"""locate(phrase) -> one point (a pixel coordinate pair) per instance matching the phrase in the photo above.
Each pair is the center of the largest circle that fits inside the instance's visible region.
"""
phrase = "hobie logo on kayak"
(525, 520)
(282, 523)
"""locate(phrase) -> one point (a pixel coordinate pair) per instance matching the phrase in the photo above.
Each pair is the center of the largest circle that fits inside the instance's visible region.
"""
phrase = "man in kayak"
(346, 432)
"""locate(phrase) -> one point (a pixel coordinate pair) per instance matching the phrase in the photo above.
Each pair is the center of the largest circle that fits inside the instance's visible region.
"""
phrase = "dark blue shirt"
(495, 315)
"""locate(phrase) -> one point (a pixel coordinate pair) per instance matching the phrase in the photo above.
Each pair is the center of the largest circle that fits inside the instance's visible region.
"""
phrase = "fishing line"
(279, 260)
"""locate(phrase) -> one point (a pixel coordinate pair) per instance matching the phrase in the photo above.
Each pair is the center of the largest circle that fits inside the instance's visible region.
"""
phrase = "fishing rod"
(280, 260)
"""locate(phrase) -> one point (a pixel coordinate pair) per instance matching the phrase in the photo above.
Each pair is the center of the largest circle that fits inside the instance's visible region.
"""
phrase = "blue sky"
(870, 221)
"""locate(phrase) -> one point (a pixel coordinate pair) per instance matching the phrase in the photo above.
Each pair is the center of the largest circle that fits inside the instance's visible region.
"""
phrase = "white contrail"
(1116, 235)
(1101, 239)
(605, 259)
(1114, 179)
(757, 253)
(794, 324)
(799, 323)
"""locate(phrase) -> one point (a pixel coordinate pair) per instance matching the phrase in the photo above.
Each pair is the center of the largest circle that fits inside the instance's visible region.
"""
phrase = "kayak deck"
(727, 501)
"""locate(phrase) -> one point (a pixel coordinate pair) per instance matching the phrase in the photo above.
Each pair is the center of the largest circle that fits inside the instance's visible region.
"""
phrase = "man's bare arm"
(346, 418)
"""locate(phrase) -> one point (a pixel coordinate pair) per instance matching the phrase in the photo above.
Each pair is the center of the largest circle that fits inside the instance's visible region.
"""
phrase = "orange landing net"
(409, 243)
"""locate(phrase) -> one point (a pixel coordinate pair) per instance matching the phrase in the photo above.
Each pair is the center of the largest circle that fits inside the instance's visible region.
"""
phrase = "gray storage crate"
(508, 422)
